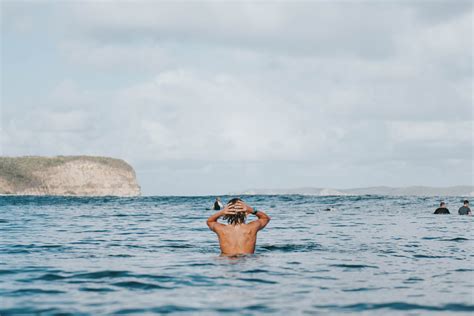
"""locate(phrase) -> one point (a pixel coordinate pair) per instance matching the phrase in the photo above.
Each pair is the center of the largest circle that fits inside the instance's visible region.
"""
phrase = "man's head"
(237, 218)
(466, 202)
(442, 204)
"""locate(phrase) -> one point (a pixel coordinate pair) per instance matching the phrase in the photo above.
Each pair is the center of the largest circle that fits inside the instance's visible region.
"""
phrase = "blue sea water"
(372, 255)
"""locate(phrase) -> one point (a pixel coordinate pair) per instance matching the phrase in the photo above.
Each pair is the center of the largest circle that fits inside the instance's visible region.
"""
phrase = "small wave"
(238, 310)
(292, 247)
(176, 246)
(256, 271)
(48, 246)
(207, 264)
(440, 275)
(256, 280)
(102, 274)
(387, 251)
(96, 289)
(139, 285)
(161, 278)
(135, 246)
(323, 277)
(413, 280)
(363, 289)
(31, 311)
(412, 246)
(50, 277)
(428, 256)
(456, 239)
(30, 248)
(14, 251)
(33, 292)
(130, 311)
(400, 306)
(293, 262)
(259, 308)
(85, 242)
(166, 309)
(353, 266)
(197, 280)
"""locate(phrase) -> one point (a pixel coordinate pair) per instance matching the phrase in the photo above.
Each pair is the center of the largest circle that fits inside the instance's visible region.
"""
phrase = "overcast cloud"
(209, 98)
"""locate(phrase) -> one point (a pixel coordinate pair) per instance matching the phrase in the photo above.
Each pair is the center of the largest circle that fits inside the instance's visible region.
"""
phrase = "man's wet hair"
(234, 200)
(442, 203)
(238, 218)
(466, 202)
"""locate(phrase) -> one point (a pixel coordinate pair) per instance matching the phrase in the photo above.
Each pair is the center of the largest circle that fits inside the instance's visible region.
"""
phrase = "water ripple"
(139, 285)
(400, 306)
(155, 255)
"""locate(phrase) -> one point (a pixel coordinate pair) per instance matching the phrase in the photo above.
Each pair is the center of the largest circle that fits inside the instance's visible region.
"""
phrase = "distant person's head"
(237, 218)
(442, 204)
(217, 204)
(466, 202)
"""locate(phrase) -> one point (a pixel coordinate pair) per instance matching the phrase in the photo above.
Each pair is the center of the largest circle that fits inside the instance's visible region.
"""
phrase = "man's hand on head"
(228, 211)
(231, 209)
(244, 207)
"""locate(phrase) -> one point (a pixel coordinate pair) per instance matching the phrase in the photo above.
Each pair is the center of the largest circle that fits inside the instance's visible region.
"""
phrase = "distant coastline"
(67, 176)
(462, 190)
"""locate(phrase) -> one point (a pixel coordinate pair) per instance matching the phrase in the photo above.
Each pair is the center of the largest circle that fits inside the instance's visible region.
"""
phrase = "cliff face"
(67, 175)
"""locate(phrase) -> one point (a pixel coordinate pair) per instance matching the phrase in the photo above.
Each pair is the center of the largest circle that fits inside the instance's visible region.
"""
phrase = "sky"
(205, 98)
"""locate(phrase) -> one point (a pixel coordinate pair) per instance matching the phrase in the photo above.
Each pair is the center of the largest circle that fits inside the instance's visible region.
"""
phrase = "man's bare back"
(237, 237)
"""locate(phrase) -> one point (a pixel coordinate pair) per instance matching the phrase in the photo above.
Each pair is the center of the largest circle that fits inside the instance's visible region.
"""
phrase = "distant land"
(67, 175)
(463, 190)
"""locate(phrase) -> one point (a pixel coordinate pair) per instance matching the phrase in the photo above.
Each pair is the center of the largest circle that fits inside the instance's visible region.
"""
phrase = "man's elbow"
(266, 220)
(210, 224)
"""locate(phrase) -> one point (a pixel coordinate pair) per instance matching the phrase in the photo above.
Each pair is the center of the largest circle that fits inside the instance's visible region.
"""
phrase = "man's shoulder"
(441, 210)
(464, 209)
(254, 225)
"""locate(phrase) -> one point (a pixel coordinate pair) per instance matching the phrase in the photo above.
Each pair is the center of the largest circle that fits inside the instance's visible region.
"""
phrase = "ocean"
(370, 255)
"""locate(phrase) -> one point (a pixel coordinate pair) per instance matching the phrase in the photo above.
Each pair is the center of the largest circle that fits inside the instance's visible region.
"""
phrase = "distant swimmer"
(465, 210)
(237, 237)
(442, 209)
(217, 204)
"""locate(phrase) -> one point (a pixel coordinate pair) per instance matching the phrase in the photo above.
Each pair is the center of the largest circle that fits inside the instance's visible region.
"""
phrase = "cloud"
(116, 58)
(434, 132)
(433, 12)
(281, 94)
(221, 117)
(299, 28)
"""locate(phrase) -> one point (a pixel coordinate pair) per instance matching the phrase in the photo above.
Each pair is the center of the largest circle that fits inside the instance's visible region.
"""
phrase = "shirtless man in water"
(237, 237)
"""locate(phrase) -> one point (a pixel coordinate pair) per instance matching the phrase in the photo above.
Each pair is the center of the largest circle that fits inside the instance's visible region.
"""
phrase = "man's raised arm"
(263, 218)
(212, 222)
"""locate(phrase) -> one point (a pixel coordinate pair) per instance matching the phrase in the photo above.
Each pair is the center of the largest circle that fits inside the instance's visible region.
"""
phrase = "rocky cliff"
(67, 175)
